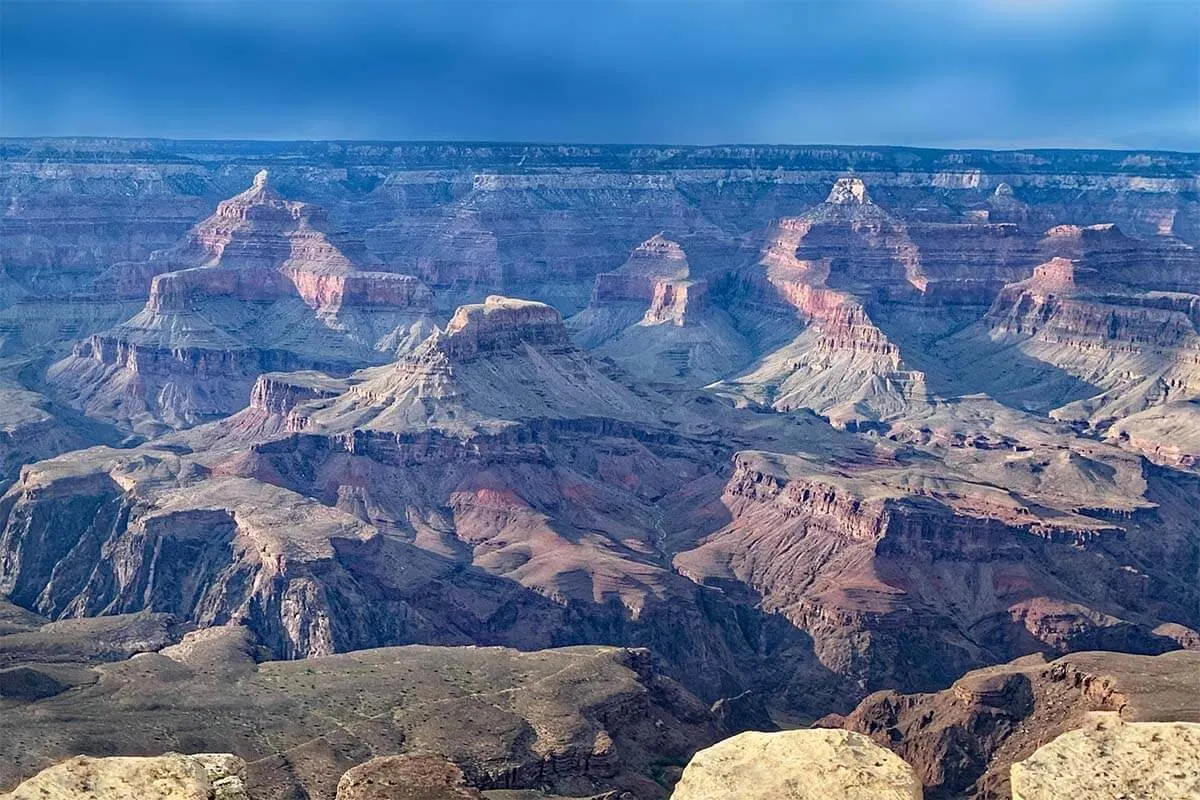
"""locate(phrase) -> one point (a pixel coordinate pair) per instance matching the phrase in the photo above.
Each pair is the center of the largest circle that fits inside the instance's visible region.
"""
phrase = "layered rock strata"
(963, 740)
(655, 319)
(257, 287)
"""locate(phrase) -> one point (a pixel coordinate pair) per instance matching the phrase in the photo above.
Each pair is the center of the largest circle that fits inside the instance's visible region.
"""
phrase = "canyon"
(561, 438)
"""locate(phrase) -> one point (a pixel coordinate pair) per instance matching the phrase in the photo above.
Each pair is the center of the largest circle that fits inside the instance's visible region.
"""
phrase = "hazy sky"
(935, 72)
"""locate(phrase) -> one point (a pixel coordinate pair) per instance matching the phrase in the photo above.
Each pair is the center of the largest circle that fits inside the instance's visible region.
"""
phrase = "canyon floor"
(559, 464)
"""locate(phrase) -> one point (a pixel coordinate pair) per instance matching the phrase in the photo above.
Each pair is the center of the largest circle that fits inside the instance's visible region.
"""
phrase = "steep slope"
(830, 265)
(962, 740)
(496, 485)
(492, 486)
(256, 287)
(1106, 327)
(655, 320)
(910, 573)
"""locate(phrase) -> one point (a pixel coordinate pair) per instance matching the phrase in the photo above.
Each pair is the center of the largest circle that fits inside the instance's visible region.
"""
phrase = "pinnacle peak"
(848, 191)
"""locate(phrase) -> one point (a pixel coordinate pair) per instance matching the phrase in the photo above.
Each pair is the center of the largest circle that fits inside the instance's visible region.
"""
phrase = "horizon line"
(648, 144)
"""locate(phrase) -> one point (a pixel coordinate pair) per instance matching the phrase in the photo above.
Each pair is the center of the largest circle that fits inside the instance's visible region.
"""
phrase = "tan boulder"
(413, 776)
(206, 776)
(1113, 760)
(797, 765)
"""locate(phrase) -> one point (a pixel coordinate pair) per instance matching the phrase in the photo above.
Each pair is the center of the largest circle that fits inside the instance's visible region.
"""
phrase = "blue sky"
(942, 73)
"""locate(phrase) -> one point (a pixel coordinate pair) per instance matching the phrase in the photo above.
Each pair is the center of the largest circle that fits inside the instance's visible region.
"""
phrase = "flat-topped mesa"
(655, 260)
(499, 325)
(1105, 244)
(179, 291)
(849, 190)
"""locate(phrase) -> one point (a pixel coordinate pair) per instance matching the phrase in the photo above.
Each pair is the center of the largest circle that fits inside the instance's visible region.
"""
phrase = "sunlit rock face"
(797, 765)
(205, 776)
(1110, 759)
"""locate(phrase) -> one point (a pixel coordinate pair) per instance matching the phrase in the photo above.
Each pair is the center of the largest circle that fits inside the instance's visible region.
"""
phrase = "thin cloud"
(878, 71)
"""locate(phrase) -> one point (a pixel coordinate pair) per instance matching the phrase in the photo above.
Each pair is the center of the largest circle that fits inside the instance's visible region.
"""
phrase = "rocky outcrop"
(1166, 434)
(277, 393)
(501, 324)
(1107, 326)
(575, 721)
(654, 318)
(205, 776)
(257, 287)
(497, 484)
(961, 741)
(410, 777)
(829, 266)
(1109, 759)
(863, 564)
(797, 765)
(497, 456)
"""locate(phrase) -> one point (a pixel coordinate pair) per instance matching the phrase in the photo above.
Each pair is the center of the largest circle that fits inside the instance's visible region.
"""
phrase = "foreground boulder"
(797, 765)
(1110, 759)
(205, 776)
(416, 776)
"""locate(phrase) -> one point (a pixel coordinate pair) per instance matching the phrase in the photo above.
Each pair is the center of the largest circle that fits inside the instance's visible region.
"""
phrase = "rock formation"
(654, 318)
(257, 287)
(820, 422)
(205, 776)
(911, 576)
(500, 456)
(417, 776)
(829, 265)
(797, 765)
(1106, 327)
(1110, 759)
(961, 741)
